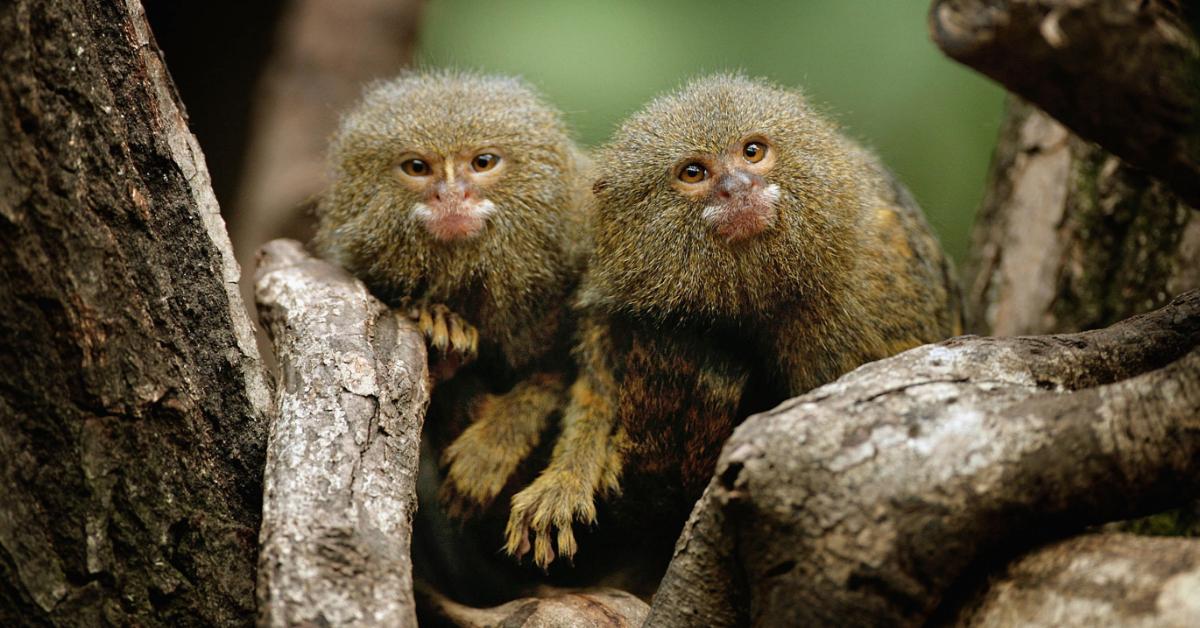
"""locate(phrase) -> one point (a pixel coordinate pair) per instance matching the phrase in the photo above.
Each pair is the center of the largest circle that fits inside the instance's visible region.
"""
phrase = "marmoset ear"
(599, 187)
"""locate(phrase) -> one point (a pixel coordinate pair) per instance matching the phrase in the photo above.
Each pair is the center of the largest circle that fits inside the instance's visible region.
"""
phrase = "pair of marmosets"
(727, 249)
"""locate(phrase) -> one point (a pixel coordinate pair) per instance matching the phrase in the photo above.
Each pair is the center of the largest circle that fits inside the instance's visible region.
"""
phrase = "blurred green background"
(868, 63)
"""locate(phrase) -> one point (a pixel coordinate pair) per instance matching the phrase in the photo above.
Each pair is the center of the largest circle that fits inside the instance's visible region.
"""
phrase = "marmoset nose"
(455, 191)
(736, 183)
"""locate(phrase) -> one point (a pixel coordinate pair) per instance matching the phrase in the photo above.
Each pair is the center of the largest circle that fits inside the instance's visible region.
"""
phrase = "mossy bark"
(1070, 237)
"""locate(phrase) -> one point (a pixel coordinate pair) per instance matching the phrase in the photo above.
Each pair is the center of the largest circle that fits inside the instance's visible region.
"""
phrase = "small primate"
(745, 252)
(458, 198)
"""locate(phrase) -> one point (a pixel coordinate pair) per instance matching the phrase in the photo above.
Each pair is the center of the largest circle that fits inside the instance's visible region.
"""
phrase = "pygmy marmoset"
(744, 252)
(458, 198)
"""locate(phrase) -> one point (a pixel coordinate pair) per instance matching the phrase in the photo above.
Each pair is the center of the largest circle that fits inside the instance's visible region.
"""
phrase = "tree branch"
(868, 500)
(1097, 580)
(607, 608)
(340, 486)
(1122, 73)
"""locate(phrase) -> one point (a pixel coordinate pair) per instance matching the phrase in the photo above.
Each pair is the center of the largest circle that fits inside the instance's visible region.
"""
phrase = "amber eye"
(484, 162)
(416, 168)
(693, 173)
(754, 152)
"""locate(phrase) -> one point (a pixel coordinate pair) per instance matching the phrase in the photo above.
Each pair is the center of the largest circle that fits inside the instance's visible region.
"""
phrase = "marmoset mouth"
(743, 216)
(449, 222)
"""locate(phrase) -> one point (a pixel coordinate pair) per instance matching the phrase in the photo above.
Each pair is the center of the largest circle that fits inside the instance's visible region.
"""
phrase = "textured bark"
(326, 52)
(1097, 580)
(705, 584)
(876, 498)
(596, 608)
(1070, 237)
(132, 399)
(133, 404)
(340, 486)
(1122, 73)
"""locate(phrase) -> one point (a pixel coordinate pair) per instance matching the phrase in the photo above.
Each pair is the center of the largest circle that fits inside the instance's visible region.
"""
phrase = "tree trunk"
(132, 398)
(1070, 237)
(1118, 72)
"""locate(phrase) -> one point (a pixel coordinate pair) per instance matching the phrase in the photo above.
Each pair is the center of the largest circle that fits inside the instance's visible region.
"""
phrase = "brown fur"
(847, 273)
(506, 288)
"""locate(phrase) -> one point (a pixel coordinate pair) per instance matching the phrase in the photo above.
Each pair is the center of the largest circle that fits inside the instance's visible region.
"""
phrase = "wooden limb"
(1118, 72)
(601, 608)
(133, 403)
(1096, 580)
(869, 500)
(705, 583)
(340, 485)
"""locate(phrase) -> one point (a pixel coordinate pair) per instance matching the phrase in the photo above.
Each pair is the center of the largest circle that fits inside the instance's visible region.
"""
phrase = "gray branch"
(867, 501)
(340, 485)
(1097, 580)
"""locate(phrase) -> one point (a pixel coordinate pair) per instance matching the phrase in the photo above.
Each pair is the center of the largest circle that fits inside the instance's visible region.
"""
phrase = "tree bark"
(340, 486)
(132, 398)
(1097, 580)
(595, 608)
(1070, 237)
(879, 497)
(1122, 73)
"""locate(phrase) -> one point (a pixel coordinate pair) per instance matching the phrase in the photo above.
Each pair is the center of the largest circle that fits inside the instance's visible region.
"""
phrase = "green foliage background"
(868, 63)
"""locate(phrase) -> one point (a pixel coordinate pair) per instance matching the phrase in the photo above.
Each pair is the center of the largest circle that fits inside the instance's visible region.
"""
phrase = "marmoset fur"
(458, 198)
(745, 252)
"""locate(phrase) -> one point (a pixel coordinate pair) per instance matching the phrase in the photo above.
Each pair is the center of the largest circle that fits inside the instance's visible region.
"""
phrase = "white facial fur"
(767, 196)
(478, 208)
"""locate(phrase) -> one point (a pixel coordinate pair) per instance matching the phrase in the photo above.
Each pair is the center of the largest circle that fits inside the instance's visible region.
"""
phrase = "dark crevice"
(729, 476)
(780, 569)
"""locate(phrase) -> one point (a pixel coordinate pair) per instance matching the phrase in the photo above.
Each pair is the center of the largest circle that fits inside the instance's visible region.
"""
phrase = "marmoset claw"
(445, 330)
(554, 500)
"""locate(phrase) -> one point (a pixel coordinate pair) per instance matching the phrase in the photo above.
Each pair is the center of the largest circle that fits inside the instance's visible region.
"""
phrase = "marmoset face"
(721, 197)
(739, 202)
(452, 189)
(448, 179)
(445, 159)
